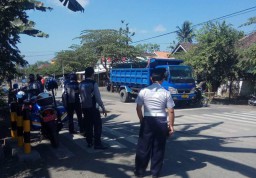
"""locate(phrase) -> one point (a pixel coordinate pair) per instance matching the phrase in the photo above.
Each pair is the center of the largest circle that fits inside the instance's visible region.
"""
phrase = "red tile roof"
(162, 54)
(247, 41)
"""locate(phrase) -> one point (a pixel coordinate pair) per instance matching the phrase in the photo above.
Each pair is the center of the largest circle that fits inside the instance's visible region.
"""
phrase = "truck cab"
(179, 82)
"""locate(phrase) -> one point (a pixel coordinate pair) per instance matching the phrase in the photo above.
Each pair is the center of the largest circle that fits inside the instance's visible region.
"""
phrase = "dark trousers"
(71, 107)
(93, 125)
(151, 145)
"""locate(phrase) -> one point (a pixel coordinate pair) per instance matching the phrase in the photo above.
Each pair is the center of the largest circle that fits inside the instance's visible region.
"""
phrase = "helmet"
(21, 96)
(15, 86)
(31, 77)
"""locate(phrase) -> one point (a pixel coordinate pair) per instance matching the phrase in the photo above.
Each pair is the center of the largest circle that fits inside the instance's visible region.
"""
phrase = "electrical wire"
(202, 23)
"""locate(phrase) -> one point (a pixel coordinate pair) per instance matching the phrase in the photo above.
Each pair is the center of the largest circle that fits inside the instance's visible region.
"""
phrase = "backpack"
(51, 84)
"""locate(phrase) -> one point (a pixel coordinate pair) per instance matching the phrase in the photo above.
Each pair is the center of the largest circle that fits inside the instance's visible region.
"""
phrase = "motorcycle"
(252, 101)
(44, 115)
(201, 99)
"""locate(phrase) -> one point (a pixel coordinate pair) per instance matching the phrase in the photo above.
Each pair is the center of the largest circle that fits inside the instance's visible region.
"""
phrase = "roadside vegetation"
(215, 56)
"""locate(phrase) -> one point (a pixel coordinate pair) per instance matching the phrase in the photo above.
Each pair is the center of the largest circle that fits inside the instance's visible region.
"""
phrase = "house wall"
(246, 88)
(239, 88)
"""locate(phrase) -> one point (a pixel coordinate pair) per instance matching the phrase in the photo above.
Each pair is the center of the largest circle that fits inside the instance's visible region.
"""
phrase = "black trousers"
(93, 125)
(71, 107)
(151, 145)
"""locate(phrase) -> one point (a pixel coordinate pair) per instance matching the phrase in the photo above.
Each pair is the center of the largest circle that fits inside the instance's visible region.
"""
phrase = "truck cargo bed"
(124, 76)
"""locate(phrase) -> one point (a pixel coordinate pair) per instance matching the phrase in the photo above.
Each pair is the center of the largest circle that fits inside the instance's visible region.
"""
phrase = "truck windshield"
(181, 74)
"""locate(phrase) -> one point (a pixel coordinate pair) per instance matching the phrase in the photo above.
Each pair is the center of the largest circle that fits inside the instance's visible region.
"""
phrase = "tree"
(248, 56)
(172, 45)
(247, 62)
(215, 57)
(13, 22)
(185, 32)
(250, 21)
(97, 46)
(72, 5)
(148, 48)
(107, 43)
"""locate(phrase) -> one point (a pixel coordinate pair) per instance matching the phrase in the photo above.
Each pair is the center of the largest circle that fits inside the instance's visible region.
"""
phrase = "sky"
(147, 18)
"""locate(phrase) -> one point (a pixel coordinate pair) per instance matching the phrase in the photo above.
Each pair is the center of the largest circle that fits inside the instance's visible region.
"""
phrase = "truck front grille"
(183, 91)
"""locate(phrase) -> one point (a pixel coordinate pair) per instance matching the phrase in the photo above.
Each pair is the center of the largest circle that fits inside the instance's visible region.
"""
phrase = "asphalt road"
(214, 141)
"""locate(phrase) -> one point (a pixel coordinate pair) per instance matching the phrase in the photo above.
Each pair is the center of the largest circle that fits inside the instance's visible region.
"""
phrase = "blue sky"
(147, 18)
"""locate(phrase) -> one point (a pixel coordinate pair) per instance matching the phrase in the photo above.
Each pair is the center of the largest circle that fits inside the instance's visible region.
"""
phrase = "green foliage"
(2, 100)
(215, 58)
(106, 43)
(250, 21)
(148, 48)
(185, 32)
(9, 37)
(13, 22)
(248, 61)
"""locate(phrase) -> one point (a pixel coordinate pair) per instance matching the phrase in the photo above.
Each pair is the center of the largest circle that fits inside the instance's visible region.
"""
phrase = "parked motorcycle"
(252, 101)
(201, 99)
(43, 114)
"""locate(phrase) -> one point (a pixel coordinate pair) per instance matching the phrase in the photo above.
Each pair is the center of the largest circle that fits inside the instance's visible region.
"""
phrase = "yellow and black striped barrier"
(26, 128)
(13, 116)
(20, 126)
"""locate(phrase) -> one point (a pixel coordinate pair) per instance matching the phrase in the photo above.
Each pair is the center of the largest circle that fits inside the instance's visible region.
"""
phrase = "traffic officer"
(73, 103)
(91, 98)
(155, 125)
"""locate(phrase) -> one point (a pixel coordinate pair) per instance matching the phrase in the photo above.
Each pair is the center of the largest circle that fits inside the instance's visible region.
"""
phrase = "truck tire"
(124, 96)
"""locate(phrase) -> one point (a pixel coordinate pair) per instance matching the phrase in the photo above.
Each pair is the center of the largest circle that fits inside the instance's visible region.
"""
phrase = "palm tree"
(185, 33)
(250, 21)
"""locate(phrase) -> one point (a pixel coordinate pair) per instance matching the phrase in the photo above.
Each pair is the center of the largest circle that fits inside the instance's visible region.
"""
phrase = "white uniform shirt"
(155, 99)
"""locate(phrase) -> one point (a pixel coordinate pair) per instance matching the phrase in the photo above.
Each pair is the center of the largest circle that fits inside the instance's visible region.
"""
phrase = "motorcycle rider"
(73, 103)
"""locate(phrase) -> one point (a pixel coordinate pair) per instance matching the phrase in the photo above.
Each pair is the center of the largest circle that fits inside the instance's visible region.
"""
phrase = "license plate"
(49, 118)
(184, 96)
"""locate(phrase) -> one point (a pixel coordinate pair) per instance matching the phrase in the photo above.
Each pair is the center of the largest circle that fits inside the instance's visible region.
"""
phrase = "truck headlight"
(193, 90)
(173, 90)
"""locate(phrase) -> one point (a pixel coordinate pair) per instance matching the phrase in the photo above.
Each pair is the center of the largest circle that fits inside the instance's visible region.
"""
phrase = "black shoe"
(100, 147)
(137, 174)
(73, 132)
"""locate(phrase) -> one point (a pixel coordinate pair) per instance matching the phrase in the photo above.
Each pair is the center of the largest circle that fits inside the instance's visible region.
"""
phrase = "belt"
(155, 114)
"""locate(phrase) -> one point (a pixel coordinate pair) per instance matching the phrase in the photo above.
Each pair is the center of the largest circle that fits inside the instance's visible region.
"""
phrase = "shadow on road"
(187, 150)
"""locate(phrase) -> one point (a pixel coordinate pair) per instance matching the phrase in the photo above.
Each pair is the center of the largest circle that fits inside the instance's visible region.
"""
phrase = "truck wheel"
(124, 96)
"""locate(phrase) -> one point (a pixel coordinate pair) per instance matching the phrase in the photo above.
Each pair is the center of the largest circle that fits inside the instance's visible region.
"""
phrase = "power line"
(199, 24)
(39, 55)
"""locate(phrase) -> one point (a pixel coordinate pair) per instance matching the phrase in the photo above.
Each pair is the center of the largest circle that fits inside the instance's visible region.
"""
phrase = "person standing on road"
(39, 80)
(155, 127)
(73, 104)
(90, 96)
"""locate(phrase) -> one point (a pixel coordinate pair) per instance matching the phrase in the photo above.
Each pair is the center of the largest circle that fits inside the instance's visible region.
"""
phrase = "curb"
(11, 147)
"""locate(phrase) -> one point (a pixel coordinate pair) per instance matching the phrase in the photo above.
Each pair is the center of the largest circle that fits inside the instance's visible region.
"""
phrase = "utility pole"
(62, 69)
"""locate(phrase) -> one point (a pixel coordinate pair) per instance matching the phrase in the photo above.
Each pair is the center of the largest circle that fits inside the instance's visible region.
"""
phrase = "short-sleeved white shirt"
(155, 99)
